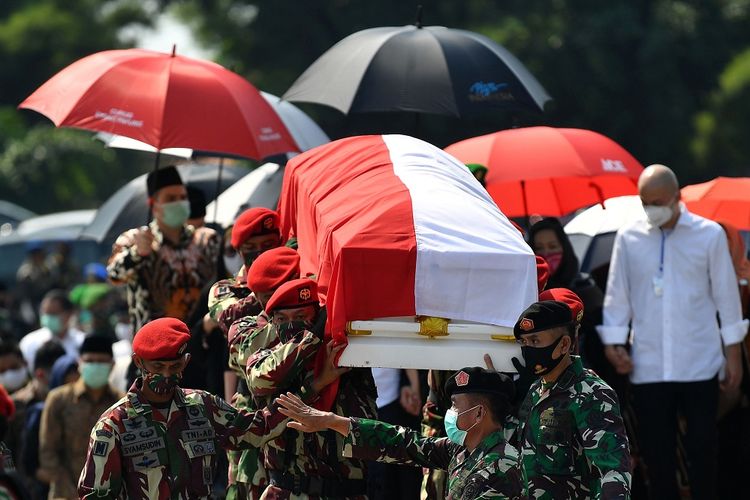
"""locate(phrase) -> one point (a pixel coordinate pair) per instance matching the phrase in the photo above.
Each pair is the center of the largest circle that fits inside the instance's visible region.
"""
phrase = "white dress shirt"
(32, 341)
(675, 334)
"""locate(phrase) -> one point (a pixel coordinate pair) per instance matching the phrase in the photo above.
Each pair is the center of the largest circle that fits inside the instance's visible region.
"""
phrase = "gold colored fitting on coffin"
(503, 338)
(431, 326)
(351, 331)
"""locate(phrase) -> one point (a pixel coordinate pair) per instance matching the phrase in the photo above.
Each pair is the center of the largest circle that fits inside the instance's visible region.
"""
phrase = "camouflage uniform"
(307, 466)
(490, 471)
(572, 438)
(138, 452)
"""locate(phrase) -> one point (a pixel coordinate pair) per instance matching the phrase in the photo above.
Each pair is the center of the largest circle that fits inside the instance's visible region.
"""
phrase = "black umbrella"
(429, 69)
(128, 207)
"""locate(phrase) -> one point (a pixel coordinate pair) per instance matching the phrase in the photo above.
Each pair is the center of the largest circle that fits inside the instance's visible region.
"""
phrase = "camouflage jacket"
(490, 471)
(230, 300)
(137, 452)
(572, 438)
(168, 281)
(288, 367)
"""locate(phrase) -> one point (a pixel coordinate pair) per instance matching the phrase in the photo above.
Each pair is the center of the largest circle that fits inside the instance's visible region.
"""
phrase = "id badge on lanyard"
(658, 280)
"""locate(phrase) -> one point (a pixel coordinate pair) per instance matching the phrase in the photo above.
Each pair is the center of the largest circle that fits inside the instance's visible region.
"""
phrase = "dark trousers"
(389, 481)
(657, 406)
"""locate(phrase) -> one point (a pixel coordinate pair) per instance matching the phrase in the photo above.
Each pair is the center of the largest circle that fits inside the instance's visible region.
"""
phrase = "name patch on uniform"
(143, 446)
(196, 434)
(200, 448)
(100, 448)
(150, 459)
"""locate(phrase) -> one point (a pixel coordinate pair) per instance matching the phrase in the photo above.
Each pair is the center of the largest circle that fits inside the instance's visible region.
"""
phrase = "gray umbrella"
(414, 69)
(128, 207)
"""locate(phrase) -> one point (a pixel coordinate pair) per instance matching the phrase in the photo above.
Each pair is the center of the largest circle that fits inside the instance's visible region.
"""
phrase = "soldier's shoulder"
(593, 383)
(117, 412)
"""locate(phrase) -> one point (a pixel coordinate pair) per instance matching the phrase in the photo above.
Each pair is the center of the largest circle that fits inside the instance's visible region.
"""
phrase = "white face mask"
(657, 215)
(233, 264)
(124, 331)
(13, 380)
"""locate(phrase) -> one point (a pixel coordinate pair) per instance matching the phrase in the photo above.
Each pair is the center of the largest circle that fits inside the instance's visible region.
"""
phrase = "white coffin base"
(397, 343)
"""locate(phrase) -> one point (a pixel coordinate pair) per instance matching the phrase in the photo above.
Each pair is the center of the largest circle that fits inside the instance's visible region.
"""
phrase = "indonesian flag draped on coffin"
(393, 226)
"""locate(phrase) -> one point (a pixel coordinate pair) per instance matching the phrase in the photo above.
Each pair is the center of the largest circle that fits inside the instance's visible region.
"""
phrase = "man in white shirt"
(56, 312)
(669, 276)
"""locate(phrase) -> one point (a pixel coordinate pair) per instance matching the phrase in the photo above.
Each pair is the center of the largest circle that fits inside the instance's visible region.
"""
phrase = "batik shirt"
(168, 281)
(139, 452)
(491, 470)
(288, 367)
(572, 440)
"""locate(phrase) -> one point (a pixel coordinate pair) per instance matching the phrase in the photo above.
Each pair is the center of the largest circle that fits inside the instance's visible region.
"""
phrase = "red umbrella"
(166, 101)
(724, 199)
(550, 171)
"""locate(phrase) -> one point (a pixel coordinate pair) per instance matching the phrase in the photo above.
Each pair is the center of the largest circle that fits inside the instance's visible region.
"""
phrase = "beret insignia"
(304, 294)
(462, 378)
(526, 324)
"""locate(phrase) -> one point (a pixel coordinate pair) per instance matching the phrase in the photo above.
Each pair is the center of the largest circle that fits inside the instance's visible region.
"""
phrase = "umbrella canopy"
(128, 207)
(592, 232)
(722, 199)
(165, 101)
(259, 188)
(550, 171)
(305, 132)
(424, 70)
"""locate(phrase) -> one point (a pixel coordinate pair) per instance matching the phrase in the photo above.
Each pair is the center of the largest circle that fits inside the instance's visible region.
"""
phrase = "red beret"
(163, 338)
(7, 407)
(292, 294)
(254, 222)
(568, 297)
(542, 273)
(272, 269)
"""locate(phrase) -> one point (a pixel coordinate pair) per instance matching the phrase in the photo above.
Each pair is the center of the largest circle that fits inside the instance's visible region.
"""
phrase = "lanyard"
(661, 258)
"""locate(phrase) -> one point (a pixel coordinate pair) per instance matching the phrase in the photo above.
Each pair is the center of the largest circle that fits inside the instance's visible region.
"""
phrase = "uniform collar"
(141, 406)
(491, 441)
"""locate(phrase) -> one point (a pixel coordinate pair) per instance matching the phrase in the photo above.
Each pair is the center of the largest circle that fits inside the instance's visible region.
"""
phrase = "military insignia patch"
(304, 294)
(100, 448)
(579, 316)
(268, 222)
(462, 378)
(526, 324)
(146, 460)
(104, 433)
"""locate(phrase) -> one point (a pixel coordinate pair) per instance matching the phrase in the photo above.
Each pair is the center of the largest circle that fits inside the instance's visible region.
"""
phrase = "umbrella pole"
(218, 190)
(156, 167)
(525, 205)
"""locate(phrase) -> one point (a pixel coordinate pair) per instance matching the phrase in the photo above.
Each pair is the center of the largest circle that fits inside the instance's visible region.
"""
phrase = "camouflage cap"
(541, 316)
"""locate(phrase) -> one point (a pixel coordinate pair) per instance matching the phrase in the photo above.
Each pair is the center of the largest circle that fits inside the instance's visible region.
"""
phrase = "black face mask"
(288, 330)
(539, 360)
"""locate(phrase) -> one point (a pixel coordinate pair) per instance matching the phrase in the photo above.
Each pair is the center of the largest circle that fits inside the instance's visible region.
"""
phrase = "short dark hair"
(8, 345)
(47, 354)
(61, 297)
(498, 405)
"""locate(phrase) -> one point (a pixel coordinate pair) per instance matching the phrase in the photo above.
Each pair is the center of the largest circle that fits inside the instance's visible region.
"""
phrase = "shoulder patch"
(104, 433)
(100, 448)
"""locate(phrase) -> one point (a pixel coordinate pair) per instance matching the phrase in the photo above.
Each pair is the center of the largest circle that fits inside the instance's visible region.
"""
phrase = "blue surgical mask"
(450, 422)
(52, 321)
(95, 375)
(176, 213)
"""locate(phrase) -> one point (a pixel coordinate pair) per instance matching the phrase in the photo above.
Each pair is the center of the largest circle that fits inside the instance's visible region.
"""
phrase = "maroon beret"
(163, 338)
(254, 222)
(567, 297)
(272, 269)
(292, 294)
(542, 272)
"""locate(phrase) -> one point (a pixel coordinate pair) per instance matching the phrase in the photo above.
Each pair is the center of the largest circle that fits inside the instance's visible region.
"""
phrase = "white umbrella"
(592, 232)
(259, 188)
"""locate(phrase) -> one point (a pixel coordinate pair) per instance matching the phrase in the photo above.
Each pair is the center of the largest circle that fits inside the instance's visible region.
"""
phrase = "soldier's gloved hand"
(525, 379)
(319, 326)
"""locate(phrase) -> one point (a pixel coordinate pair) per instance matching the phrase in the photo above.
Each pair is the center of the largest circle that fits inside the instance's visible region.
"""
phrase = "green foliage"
(50, 168)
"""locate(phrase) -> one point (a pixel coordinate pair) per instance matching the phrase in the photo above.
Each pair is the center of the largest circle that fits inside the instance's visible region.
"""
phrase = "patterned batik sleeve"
(605, 443)
(271, 371)
(124, 260)
(101, 476)
(375, 440)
